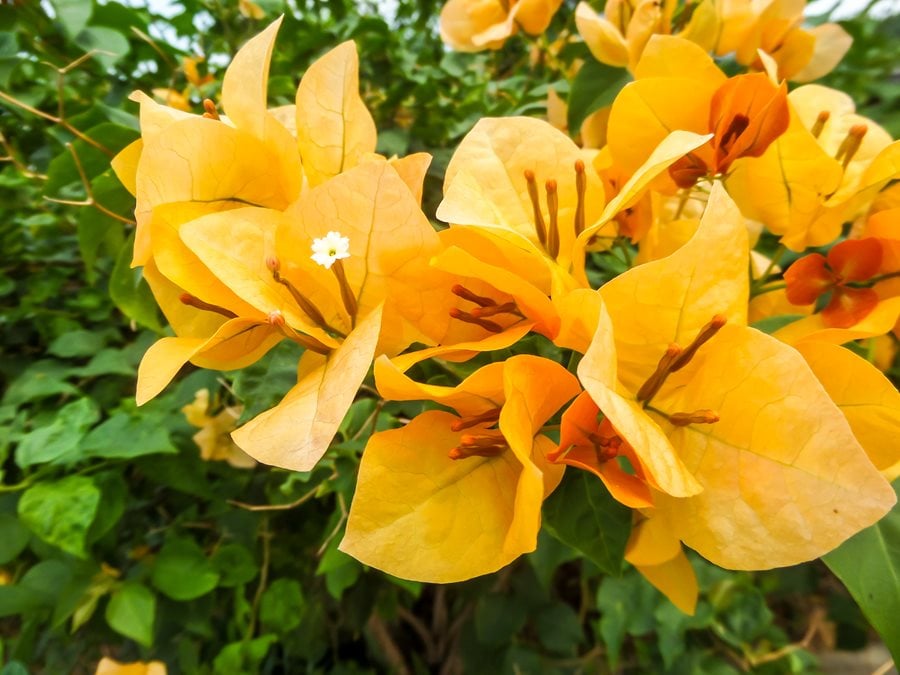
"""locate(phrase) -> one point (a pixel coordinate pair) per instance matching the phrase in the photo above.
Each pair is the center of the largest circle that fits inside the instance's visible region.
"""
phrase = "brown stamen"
(553, 208)
(478, 446)
(466, 294)
(306, 306)
(820, 123)
(347, 296)
(468, 318)
(193, 301)
(656, 380)
(210, 111)
(683, 419)
(276, 319)
(581, 190)
(606, 448)
(850, 144)
(539, 226)
(505, 308)
(490, 416)
(703, 336)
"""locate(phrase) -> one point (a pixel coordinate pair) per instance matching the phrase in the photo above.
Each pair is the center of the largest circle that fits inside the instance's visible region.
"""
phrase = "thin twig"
(276, 507)
(266, 537)
(392, 652)
(91, 200)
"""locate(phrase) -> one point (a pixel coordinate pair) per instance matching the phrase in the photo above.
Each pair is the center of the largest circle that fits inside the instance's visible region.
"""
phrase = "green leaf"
(243, 658)
(76, 343)
(626, 607)
(126, 436)
(131, 612)
(498, 617)
(582, 514)
(869, 566)
(13, 537)
(182, 571)
(282, 605)
(131, 293)
(235, 565)
(559, 629)
(340, 570)
(72, 14)
(109, 45)
(61, 512)
(596, 85)
(41, 379)
(58, 441)
(63, 174)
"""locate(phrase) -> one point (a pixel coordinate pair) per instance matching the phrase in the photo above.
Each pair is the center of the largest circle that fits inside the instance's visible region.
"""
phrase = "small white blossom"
(329, 248)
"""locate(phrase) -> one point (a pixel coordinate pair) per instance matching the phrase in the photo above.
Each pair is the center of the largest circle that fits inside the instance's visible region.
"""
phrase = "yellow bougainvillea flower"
(389, 243)
(108, 666)
(823, 171)
(214, 437)
(453, 496)
(474, 25)
(522, 181)
(618, 38)
(180, 158)
(749, 459)
(746, 114)
(223, 318)
(775, 28)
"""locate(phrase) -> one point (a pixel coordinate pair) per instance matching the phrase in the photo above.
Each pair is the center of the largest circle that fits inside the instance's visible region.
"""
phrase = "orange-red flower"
(849, 262)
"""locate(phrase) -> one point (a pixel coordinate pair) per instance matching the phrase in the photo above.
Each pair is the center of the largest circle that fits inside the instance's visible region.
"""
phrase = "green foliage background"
(116, 539)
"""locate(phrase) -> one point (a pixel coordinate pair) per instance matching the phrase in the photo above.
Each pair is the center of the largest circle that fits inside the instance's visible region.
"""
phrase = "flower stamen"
(539, 227)
(193, 301)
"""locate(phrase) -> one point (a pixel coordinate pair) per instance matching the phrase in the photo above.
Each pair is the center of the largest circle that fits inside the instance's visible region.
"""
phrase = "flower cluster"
(257, 225)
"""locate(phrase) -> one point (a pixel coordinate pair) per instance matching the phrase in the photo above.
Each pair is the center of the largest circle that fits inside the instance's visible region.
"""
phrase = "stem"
(776, 256)
(777, 286)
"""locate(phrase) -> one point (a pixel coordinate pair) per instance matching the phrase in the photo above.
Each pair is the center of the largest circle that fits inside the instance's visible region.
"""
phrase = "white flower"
(329, 248)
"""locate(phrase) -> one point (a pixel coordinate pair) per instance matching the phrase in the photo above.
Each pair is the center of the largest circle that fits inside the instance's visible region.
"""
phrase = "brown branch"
(276, 507)
(266, 537)
(16, 162)
(431, 655)
(91, 200)
(391, 651)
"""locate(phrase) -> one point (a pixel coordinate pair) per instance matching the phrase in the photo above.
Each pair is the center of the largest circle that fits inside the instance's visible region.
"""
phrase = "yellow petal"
(605, 41)
(676, 580)
(462, 20)
(670, 149)
(245, 85)
(391, 242)
(597, 372)
(668, 301)
(832, 42)
(236, 344)
(185, 320)
(295, 433)
(417, 514)
(485, 183)
(194, 160)
(334, 127)
(412, 170)
(234, 246)
(784, 480)
(867, 398)
(670, 56)
(534, 15)
(652, 541)
(880, 321)
(108, 666)
(579, 314)
(125, 165)
(479, 392)
(785, 187)
(643, 115)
